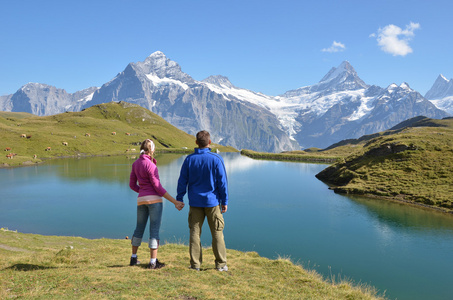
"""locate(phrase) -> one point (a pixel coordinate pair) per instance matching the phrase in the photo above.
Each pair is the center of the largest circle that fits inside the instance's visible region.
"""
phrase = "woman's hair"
(147, 147)
(203, 138)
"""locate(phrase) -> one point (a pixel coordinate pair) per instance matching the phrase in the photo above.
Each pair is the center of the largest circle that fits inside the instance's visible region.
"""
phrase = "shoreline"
(395, 199)
(290, 157)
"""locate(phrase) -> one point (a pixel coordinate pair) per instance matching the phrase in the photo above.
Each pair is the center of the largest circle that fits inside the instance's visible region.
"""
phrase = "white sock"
(134, 255)
(153, 260)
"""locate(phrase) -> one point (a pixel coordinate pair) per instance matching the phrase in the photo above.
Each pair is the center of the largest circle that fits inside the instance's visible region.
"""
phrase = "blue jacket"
(203, 175)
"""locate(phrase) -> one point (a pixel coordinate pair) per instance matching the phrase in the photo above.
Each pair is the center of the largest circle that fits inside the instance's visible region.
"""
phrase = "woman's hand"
(179, 205)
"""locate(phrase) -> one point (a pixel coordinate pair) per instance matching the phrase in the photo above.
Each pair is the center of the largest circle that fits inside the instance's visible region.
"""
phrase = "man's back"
(204, 175)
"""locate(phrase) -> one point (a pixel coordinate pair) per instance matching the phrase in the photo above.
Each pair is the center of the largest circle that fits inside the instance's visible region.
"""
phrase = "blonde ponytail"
(147, 147)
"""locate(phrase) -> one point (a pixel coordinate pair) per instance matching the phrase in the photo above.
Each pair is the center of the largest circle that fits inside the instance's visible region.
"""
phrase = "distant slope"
(17, 115)
(105, 129)
(411, 164)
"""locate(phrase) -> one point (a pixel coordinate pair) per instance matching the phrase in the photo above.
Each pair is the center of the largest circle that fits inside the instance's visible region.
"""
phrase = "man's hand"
(224, 208)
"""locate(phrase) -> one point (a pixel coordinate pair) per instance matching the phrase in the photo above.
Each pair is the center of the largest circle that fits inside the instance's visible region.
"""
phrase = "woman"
(149, 202)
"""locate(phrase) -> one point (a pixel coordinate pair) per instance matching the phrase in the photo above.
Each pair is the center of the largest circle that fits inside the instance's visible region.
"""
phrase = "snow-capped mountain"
(213, 104)
(340, 106)
(441, 94)
(343, 78)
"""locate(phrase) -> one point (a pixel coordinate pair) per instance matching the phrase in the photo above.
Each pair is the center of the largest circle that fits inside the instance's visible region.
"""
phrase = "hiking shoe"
(222, 269)
(134, 261)
(156, 265)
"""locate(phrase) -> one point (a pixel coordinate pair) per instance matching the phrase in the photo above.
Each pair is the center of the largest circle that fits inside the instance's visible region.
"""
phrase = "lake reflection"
(276, 209)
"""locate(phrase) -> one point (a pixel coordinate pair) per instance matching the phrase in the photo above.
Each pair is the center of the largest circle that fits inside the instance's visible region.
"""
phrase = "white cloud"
(394, 40)
(336, 47)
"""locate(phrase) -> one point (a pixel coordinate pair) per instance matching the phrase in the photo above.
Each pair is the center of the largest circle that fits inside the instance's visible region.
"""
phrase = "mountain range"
(340, 106)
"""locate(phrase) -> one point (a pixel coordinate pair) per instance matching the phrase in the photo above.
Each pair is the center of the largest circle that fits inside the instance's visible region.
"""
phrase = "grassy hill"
(106, 129)
(51, 267)
(413, 163)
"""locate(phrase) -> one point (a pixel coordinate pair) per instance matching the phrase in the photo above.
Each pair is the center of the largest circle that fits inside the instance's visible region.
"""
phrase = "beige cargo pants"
(216, 223)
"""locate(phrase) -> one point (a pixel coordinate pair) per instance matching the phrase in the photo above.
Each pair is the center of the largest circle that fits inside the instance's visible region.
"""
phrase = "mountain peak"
(156, 60)
(441, 88)
(157, 64)
(344, 68)
(442, 77)
(157, 54)
(392, 86)
(342, 78)
(398, 88)
(405, 85)
(34, 86)
(219, 80)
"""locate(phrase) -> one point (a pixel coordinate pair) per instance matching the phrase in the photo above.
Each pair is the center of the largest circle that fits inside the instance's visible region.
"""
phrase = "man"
(203, 175)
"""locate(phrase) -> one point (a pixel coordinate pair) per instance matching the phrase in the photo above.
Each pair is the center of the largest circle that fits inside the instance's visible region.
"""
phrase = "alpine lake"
(278, 209)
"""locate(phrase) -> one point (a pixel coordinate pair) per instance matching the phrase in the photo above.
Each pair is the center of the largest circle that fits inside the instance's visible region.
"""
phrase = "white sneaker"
(223, 269)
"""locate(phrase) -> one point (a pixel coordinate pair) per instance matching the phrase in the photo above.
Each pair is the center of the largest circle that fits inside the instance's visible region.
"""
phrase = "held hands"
(179, 205)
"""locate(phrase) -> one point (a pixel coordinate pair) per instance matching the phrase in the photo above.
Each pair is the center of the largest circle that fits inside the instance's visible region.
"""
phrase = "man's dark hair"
(203, 138)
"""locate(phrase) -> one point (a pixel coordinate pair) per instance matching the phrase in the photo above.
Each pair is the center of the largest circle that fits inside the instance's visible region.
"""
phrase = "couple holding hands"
(203, 176)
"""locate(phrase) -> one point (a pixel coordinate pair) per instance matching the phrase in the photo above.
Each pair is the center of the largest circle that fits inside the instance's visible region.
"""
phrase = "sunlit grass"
(36, 266)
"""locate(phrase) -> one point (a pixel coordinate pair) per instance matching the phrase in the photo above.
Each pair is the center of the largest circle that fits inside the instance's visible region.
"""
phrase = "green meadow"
(56, 267)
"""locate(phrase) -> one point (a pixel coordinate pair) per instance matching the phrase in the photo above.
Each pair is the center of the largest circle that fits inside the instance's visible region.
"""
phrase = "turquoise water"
(277, 209)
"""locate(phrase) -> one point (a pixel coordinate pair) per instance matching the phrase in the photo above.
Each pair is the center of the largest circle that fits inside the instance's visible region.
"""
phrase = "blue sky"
(264, 46)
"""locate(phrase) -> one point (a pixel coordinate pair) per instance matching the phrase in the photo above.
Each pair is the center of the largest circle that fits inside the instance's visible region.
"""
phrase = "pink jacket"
(144, 170)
